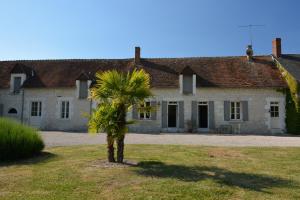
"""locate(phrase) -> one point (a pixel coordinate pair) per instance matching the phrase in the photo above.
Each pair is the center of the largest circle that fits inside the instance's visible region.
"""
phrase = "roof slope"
(232, 72)
(291, 63)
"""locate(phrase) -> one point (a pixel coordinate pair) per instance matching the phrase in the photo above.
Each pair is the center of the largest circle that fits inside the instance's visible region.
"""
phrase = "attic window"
(187, 80)
(187, 84)
(12, 111)
(83, 89)
(17, 84)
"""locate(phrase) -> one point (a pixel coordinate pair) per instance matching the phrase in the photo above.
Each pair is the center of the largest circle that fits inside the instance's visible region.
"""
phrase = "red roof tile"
(233, 72)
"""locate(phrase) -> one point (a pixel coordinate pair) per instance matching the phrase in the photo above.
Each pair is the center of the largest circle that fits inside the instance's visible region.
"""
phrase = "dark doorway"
(172, 116)
(203, 116)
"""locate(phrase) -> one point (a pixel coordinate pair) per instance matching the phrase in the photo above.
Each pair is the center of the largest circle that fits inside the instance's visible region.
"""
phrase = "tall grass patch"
(18, 141)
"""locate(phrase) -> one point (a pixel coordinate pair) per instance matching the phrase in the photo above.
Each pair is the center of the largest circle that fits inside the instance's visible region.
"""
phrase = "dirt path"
(68, 139)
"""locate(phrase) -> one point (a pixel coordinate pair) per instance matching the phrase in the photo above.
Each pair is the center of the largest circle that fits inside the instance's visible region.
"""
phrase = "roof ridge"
(69, 59)
(205, 57)
(122, 59)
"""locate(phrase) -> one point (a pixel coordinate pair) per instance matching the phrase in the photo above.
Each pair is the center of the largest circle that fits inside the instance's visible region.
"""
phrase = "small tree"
(117, 92)
(103, 119)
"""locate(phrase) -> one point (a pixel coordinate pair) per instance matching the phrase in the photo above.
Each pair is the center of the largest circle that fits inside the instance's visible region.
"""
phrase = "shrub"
(18, 141)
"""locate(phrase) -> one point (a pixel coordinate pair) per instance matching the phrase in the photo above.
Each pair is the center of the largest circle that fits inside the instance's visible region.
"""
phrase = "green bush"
(18, 141)
(292, 115)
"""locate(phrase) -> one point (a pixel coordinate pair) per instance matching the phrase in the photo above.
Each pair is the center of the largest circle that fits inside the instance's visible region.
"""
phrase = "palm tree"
(117, 92)
(103, 119)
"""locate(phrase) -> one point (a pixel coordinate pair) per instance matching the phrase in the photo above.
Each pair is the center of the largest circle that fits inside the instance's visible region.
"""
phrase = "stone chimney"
(276, 47)
(249, 52)
(137, 57)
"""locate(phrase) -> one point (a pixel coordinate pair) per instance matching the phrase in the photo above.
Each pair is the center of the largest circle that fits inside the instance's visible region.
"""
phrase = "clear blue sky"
(45, 29)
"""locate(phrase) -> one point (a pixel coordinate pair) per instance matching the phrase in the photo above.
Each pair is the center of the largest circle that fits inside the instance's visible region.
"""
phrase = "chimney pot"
(276, 47)
(249, 52)
(137, 57)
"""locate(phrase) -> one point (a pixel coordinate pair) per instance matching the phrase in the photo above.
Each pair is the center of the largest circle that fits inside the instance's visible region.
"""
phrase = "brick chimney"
(137, 57)
(276, 47)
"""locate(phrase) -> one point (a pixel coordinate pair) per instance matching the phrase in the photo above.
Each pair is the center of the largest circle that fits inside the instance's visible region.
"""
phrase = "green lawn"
(164, 172)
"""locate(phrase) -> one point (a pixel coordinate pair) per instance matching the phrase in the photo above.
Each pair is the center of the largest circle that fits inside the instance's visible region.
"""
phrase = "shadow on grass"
(39, 158)
(250, 181)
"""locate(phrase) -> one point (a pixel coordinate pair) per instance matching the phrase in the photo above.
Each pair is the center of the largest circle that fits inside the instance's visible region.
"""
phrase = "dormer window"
(17, 77)
(187, 84)
(83, 90)
(83, 83)
(187, 80)
(17, 84)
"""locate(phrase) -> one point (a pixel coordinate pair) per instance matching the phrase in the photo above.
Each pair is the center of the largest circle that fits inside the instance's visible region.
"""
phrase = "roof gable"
(83, 77)
(20, 68)
(187, 71)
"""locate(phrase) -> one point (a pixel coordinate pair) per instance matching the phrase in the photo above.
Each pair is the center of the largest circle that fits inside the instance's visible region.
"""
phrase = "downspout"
(22, 108)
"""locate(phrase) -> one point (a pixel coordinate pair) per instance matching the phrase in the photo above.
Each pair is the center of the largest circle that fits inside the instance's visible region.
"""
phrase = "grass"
(163, 172)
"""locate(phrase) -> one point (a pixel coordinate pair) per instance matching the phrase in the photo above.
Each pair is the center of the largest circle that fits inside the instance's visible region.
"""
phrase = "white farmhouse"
(240, 94)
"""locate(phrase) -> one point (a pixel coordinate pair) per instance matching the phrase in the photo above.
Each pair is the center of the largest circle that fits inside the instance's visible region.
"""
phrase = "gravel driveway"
(67, 139)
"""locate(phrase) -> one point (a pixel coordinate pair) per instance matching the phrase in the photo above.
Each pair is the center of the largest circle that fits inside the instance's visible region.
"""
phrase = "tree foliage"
(116, 93)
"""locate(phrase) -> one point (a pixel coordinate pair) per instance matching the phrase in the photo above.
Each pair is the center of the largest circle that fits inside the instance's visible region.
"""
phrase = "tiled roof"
(232, 72)
(291, 63)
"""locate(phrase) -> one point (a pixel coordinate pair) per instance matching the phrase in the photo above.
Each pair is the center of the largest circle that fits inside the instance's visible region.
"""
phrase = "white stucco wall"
(51, 99)
(10, 100)
(258, 102)
(258, 107)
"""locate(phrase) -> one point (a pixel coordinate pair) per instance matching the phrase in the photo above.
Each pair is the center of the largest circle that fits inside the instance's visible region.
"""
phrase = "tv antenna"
(250, 26)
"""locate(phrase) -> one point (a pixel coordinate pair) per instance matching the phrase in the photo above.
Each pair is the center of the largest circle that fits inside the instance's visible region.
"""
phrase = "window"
(36, 108)
(83, 90)
(65, 109)
(187, 84)
(274, 109)
(17, 84)
(145, 112)
(12, 111)
(235, 110)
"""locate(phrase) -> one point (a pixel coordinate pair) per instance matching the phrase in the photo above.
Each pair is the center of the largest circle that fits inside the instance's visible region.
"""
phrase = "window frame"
(17, 91)
(235, 111)
(274, 113)
(80, 89)
(145, 115)
(185, 85)
(64, 109)
(37, 105)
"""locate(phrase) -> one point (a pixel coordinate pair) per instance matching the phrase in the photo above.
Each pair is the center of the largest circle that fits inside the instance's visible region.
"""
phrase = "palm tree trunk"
(120, 152)
(110, 148)
(121, 136)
